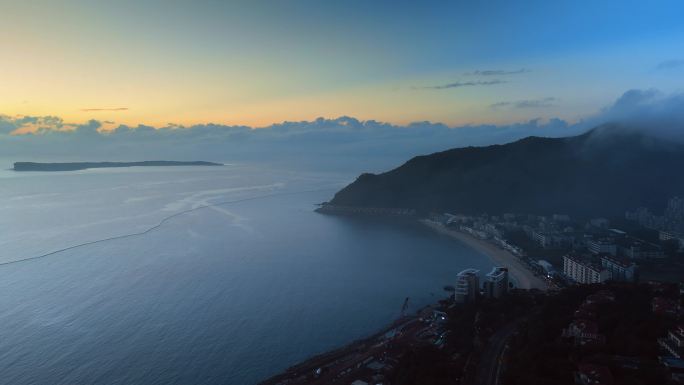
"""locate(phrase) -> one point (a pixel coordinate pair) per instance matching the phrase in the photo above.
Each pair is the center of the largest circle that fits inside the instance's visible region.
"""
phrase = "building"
(674, 342)
(602, 246)
(617, 233)
(671, 220)
(549, 270)
(665, 306)
(493, 230)
(674, 214)
(560, 218)
(636, 249)
(672, 236)
(467, 286)
(675, 366)
(599, 222)
(589, 374)
(583, 271)
(496, 283)
(646, 218)
(474, 232)
(584, 332)
(620, 269)
(455, 218)
(552, 239)
(515, 250)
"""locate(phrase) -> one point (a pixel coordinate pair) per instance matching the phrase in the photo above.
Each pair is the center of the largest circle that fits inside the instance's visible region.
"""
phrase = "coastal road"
(489, 369)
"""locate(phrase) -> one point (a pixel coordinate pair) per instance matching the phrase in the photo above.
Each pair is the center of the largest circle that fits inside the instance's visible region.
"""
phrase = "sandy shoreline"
(524, 277)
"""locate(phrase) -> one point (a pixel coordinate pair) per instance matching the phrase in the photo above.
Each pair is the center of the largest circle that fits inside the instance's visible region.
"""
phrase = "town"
(564, 251)
(608, 312)
(645, 248)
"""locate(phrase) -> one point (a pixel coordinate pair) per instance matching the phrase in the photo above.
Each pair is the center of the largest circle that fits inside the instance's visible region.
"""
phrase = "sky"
(258, 63)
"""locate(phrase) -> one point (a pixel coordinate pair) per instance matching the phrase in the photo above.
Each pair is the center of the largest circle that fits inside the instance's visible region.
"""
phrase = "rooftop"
(622, 262)
(468, 272)
(497, 272)
(595, 374)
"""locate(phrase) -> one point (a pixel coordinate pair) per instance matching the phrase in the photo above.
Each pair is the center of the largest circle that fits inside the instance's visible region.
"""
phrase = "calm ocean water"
(227, 294)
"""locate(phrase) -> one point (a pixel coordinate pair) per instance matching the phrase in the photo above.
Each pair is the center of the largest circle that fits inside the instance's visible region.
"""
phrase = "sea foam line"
(160, 224)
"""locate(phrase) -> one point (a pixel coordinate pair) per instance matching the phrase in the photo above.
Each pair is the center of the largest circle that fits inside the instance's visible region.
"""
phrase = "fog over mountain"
(341, 143)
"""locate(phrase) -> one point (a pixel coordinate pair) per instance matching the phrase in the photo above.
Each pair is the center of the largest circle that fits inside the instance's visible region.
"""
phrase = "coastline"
(353, 355)
(338, 365)
(524, 277)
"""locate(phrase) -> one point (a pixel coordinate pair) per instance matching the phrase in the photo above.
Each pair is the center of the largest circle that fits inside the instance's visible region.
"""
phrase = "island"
(74, 166)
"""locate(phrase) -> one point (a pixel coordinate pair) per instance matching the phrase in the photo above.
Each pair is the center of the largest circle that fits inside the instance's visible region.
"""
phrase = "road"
(488, 370)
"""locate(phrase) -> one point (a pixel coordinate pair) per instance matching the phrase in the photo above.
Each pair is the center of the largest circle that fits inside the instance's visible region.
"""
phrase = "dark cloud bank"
(476, 83)
(498, 72)
(104, 109)
(466, 84)
(343, 144)
(528, 103)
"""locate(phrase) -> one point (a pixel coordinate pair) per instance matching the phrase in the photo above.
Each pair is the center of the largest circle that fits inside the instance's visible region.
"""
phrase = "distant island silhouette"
(74, 166)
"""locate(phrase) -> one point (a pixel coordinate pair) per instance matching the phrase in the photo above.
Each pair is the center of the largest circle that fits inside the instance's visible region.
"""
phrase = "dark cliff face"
(601, 173)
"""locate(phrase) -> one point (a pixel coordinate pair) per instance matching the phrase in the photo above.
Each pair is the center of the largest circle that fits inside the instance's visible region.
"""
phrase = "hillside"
(602, 172)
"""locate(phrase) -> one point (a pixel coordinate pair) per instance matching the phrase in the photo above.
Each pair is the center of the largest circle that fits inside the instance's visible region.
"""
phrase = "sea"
(197, 275)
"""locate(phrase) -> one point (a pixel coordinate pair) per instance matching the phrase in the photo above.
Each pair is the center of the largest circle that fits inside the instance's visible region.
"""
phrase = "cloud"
(497, 72)
(466, 84)
(39, 124)
(528, 103)
(650, 111)
(342, 144)
(473, 83)
(7, 124)
(104, 109)
(670, 65)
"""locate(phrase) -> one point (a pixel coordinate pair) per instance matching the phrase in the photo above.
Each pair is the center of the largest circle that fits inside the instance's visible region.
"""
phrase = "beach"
(523, 276)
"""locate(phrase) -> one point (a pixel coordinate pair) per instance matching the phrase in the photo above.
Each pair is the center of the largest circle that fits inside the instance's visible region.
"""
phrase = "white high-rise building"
(620, 269)
(467, 286)
(582, 271)
(496, 283)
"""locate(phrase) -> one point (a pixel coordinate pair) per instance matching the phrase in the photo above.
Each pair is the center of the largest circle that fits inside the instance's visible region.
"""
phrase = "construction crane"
(404, 307)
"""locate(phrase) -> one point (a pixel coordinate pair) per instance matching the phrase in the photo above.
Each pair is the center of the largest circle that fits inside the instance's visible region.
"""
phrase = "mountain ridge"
(602, 172)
